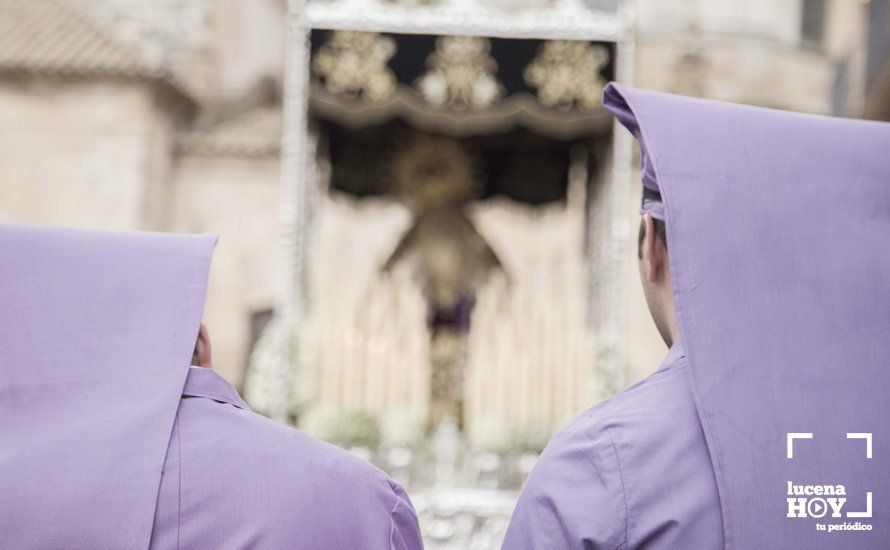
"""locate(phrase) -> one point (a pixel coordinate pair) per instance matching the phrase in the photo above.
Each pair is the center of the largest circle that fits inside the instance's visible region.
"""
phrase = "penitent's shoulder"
(275, 442)
(579, 488)
(657, 404)
(309, 490)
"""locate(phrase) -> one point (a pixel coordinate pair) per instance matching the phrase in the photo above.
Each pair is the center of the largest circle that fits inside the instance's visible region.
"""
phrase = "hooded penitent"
(108, 439)
(96, 333)
(779, 240)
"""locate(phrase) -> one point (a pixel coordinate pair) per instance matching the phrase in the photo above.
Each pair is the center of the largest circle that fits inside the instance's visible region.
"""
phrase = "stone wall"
(89, 153)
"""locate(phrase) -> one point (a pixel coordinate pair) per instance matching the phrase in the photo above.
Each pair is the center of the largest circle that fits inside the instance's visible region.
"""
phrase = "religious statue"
(435, 178)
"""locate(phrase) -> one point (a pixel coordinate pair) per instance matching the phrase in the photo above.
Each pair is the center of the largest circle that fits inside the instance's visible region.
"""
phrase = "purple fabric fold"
(651, 202)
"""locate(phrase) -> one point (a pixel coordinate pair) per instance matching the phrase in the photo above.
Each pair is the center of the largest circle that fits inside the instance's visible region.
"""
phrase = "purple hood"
(778, 226)
(96, 335)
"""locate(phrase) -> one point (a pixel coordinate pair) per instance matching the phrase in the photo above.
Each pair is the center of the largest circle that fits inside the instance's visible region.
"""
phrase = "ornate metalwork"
(355, 63)
(562, 20)
(461, 74)
(432, 172)
(297, 152)
(566, 74)
(618, 179)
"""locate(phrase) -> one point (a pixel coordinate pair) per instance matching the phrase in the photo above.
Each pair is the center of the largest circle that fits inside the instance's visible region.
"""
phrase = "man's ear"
(203, 350)
(653, 254)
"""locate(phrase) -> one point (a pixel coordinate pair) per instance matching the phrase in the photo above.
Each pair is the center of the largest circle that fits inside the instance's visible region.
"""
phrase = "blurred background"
(427, 220)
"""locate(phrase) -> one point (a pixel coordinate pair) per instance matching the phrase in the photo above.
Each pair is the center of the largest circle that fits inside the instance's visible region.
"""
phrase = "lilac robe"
(629, 472)
(777, 228)
(235, 479)
(109, 440)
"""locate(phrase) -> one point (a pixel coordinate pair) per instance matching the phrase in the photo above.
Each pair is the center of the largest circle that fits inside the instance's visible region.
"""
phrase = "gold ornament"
(461, 74)
(567, 74)
(355, 63)
(434, 171)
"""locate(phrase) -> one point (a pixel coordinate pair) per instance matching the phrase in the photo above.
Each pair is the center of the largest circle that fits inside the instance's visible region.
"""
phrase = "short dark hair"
(660, 230)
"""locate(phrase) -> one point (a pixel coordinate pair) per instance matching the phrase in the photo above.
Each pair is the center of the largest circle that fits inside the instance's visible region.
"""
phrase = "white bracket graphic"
(867, 512)
(867, 438)
(792, 436)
